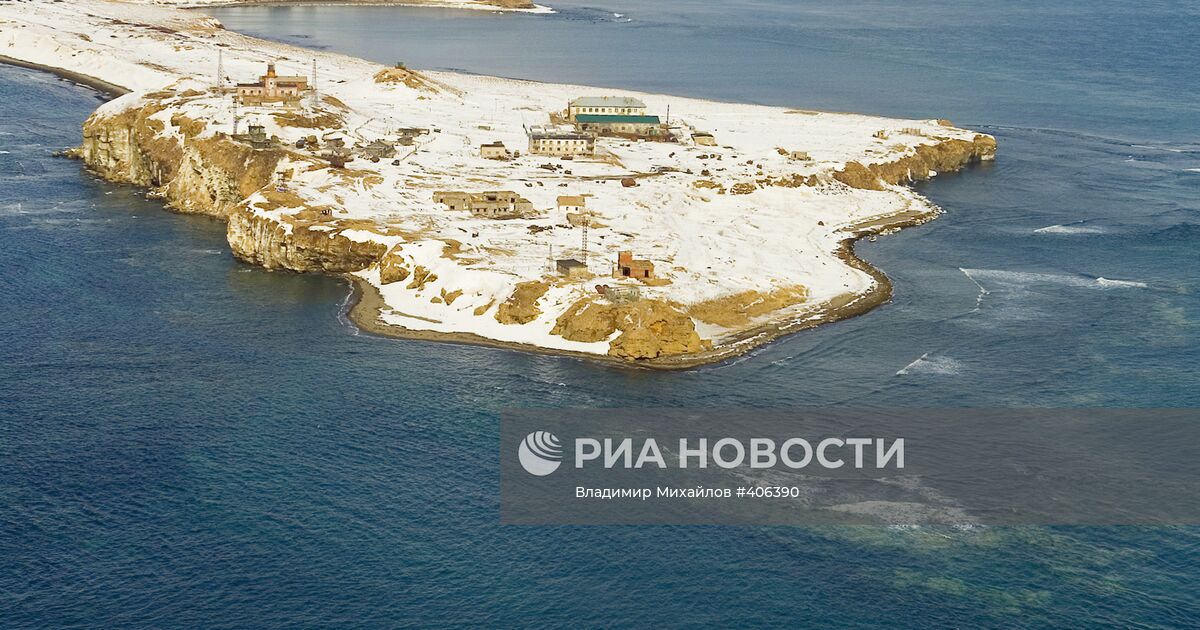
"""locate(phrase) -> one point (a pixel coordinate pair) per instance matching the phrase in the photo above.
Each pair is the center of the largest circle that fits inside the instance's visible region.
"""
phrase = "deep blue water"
(187, 441)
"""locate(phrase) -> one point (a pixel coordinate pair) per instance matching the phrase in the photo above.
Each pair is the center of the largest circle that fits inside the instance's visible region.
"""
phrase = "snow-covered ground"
(705, 242)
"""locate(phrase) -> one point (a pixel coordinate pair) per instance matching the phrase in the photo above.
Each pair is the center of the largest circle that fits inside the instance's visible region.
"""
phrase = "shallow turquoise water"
(187, 441)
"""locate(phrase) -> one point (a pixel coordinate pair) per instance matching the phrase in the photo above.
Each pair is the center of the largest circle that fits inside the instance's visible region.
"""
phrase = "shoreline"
(111, 90)
(365, 305)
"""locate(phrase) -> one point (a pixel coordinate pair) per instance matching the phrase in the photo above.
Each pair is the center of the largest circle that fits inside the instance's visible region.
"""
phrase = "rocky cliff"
(213, 175)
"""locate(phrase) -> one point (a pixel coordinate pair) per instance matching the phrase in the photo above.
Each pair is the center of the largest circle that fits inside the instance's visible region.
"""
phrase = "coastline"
(111, 90)
(367, 303)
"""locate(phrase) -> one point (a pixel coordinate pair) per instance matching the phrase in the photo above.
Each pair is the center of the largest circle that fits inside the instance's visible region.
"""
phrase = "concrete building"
(572, 203)
(629, 267)
(571, 268)
(621, 125)
(704, 139)
(272, 88)
(496, 204)
(378, 150)
(605, 105)
(561, 142)
(493, 151)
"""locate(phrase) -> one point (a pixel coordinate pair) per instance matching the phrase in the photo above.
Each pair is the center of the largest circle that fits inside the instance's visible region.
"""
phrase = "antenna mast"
(315, 98)
(587, 220)
(220, 85)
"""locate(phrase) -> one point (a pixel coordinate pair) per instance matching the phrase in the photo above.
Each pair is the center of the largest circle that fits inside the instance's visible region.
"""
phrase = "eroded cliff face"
(927, 160)
(269, 243)
(213, 175)
(198, 175)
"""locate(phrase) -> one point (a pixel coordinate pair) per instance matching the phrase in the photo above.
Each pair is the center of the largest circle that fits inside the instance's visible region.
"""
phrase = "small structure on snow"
(494, 151)
(571, 268)
(378, 150)
(629, 267)
(572, 203)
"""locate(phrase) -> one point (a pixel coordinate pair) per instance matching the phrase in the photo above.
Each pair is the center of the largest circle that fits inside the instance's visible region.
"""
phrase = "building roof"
(560, 135)
(571, 200)
(568, 263)
(607, 101)
(612, 118)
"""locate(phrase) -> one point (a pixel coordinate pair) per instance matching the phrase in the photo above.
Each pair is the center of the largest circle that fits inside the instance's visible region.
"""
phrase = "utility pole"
(315, 98)
(235, 115)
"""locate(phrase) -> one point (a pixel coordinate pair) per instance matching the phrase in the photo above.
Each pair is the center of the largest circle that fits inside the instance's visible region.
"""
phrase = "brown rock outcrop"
(521, 307)
(649, 328)
(927, 159)
(392, 268)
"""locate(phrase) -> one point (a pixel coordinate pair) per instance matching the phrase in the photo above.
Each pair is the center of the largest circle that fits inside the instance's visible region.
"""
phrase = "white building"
(605, 105)
(560, 142)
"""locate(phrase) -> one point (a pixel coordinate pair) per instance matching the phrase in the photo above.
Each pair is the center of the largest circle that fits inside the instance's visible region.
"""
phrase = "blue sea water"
(186, 441)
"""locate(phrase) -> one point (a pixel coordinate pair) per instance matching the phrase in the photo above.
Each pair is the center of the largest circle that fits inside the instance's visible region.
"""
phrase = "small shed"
(379, 149)
(572, 203)
(493, 151)
(704, 139)
(571, 268)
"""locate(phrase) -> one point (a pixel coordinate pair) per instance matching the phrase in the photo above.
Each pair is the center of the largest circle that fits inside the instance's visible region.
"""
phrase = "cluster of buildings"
(494, 204)
(591, 116)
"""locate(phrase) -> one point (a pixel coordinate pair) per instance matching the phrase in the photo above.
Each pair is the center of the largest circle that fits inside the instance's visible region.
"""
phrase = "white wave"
(1192, 170)
(1105, 282)
(926, 364)
(1068, 229)
(982, 291)
(1021, 278)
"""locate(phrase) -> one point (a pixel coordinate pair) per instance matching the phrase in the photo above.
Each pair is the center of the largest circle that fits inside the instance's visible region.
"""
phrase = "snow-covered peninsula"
(429, 190)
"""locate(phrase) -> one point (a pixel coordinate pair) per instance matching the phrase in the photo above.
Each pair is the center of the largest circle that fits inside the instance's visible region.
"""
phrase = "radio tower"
(220, 84)
(315, 100)
(587, 219)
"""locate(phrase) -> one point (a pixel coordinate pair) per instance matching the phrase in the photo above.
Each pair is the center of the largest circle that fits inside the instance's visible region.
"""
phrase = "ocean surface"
(187, 441)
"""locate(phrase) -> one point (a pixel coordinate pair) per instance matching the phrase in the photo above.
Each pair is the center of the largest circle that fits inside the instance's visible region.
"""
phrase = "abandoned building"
(256, 136)
(629, 267)
(272, 88)
(497, 204)
(377, 150)
(571, 268)
(561, 142)
(572, 203)
(621, 125)
(493, 151)
(704, 139)
(605, 105)
(619, 294)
